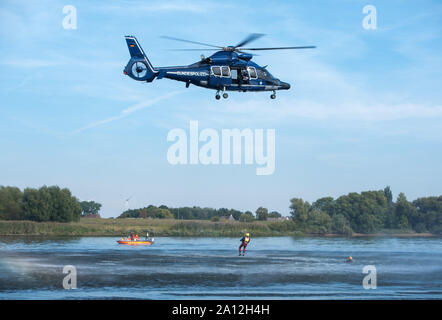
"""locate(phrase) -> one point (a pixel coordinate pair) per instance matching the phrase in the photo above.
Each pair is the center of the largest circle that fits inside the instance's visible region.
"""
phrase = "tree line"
(365, 212)
(198, 213)
(43, 204)
(368, 212)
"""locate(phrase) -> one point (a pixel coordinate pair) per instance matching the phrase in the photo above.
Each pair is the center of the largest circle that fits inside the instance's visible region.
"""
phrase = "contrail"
(126, 112)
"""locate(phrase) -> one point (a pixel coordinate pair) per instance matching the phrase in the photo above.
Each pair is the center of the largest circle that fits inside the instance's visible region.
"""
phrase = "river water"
(210, 268)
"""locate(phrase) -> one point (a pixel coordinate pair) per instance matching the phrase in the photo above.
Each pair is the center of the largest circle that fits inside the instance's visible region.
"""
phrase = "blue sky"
(364, 110)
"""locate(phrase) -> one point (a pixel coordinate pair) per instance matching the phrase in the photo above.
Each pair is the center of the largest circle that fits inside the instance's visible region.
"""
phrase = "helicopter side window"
(216, 71)
(226, 71)
(252, 72)
(234, 74)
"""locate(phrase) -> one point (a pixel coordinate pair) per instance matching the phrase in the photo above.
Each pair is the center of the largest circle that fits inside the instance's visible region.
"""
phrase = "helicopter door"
(245, 77)
(220, 76)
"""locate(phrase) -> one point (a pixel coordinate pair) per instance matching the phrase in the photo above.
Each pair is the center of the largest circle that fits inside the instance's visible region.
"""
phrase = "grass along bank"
(157, 227)
(165, 227)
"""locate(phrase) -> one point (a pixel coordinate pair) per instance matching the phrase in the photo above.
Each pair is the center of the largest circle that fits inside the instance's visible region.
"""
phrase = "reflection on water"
(209, 268)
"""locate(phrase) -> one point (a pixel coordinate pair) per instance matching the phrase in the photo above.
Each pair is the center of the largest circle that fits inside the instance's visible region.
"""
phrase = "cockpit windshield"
(264, 74)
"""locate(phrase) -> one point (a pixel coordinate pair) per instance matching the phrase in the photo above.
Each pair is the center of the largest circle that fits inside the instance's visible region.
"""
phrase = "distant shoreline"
(386, 234)
(171, 228)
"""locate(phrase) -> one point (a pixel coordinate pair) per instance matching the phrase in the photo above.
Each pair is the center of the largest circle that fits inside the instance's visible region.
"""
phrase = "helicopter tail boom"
(139, 66)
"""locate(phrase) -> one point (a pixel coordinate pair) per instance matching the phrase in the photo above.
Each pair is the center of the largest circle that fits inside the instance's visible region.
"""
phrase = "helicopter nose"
(285, 85)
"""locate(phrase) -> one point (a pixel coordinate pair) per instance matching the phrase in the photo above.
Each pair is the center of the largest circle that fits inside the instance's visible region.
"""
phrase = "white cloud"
(126, 112)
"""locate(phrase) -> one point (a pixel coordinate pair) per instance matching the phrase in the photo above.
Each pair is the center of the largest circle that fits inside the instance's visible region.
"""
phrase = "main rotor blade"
(207, 49)
(189, 41)
(250, 38)
(278, 48)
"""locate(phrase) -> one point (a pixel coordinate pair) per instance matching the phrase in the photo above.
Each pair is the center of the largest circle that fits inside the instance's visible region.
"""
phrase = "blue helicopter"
(228, 69)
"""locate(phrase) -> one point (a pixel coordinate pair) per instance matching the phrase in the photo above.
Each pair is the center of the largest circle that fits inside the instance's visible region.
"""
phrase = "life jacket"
(246, 239)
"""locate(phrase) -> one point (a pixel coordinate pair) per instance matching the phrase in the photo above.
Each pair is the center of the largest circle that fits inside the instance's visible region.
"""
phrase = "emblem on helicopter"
(139, 69)
(228, 69)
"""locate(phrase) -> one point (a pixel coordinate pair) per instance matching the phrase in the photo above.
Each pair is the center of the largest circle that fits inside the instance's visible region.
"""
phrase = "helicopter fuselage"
(222, 71)
(225, 71)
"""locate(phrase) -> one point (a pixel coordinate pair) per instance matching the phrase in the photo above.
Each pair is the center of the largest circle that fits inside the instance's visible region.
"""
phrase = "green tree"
(63, 207)
(374, 204)
(262, 213)
(246, 217)
(366, 212)
(50, 204)
(275, 214)
(148, 212)
(390, 219)
(11, 203)
(429, 215)
(340, 225)
(36, 204)
(68, 206)
(405, 212)
(165, 214)
(348, 206)
(90, 207)
(319, 222)
(388, 195)
(326, 204)
(299, 209)
(368, 223)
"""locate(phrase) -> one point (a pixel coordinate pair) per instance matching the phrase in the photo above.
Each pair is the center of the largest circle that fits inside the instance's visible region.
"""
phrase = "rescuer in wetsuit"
(244, 242)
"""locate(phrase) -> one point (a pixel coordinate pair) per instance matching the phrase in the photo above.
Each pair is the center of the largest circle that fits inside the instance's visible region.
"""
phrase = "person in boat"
(350, 259)
(147, 234)
(136, 238)
(244, 242)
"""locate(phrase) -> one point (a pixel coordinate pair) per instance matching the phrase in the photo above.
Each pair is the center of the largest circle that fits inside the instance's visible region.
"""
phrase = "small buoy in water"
(350, 259)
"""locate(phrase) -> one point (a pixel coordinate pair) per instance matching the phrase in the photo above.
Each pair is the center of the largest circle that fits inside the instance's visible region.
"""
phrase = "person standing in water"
(244, 242)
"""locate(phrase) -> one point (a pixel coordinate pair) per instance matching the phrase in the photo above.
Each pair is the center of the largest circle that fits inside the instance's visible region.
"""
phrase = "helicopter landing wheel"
(273, 96)
(217, 96)
(225, 95)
